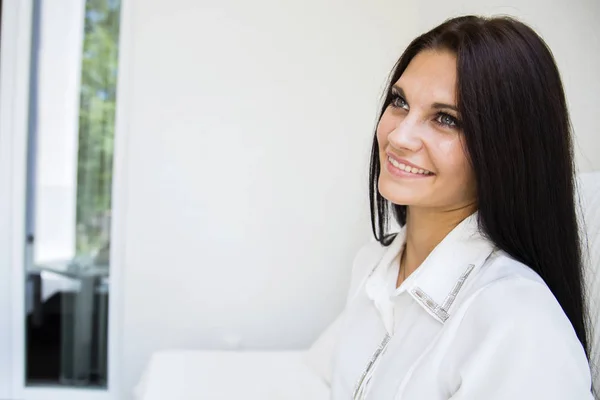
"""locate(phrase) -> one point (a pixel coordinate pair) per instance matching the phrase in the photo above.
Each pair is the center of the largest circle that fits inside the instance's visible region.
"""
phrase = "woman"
(480, 294)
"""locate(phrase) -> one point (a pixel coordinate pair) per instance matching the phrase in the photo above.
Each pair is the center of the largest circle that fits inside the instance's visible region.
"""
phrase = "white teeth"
(407, 168)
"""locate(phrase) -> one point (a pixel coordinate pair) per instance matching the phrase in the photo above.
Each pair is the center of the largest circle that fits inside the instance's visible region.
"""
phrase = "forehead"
(430, 77)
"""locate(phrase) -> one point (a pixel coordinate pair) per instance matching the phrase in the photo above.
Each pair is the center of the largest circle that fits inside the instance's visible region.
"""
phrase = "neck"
(425, 229)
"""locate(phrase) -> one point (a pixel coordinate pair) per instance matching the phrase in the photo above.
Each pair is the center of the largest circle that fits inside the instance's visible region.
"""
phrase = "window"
(70, 164)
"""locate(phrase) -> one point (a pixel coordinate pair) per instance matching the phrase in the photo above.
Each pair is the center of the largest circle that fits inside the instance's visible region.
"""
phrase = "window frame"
(15, 65)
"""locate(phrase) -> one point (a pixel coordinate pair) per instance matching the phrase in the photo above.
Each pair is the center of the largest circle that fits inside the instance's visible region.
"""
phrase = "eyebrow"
(437, 106)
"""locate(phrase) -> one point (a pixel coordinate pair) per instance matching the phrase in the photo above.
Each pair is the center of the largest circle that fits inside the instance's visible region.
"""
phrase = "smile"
(408, 169)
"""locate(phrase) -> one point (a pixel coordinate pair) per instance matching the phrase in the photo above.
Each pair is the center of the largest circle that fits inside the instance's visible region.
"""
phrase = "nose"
(406, 135)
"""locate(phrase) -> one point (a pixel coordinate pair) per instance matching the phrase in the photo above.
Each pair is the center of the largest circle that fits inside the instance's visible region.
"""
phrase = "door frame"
(14, 96)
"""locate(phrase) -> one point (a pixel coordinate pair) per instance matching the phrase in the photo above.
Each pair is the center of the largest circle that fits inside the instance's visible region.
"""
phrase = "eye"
(447, 120)
(398, 102)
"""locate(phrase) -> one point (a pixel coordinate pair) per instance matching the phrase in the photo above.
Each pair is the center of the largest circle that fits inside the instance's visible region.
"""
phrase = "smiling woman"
(479, 295)
(419, 136)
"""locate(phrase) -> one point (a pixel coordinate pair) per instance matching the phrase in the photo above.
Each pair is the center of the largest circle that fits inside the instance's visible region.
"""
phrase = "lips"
(405, 166)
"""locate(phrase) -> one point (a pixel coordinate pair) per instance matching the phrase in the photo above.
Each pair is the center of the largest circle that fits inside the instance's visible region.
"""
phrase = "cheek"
(452, 155)
(451, 149)
(384, 127)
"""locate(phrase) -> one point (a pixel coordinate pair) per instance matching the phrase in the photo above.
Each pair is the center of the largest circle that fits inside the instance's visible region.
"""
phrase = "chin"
(394, 192)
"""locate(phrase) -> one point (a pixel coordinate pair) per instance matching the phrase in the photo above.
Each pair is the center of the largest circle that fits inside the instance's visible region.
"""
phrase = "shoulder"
(510, 296)
(501, 266)
(519, 304)
(511, 325)
(366, 255)
(365, 260)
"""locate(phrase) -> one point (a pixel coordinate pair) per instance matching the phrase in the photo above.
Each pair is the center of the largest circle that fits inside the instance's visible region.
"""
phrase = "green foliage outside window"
(97, 124)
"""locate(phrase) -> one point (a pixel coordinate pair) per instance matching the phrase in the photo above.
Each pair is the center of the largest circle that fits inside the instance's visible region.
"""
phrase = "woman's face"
(420, 132)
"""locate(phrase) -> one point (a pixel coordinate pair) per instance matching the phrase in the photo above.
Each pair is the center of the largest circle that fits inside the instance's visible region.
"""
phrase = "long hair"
(517, 134)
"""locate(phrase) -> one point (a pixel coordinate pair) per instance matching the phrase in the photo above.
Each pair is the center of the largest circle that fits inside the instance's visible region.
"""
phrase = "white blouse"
(469, 323)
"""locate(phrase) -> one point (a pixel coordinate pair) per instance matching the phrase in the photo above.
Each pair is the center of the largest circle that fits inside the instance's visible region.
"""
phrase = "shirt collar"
(438, 280)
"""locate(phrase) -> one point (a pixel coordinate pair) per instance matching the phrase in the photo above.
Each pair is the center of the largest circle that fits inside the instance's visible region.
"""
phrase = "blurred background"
(192, 174)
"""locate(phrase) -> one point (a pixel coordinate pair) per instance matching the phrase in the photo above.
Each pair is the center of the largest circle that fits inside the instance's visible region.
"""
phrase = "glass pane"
(70, 164)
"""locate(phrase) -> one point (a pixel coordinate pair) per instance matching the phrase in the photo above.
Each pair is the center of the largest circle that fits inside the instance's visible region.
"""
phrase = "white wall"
(248, 132)
(571, 29)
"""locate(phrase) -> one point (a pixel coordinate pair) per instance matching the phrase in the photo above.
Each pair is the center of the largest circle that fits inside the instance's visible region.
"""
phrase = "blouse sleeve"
(515, 342)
